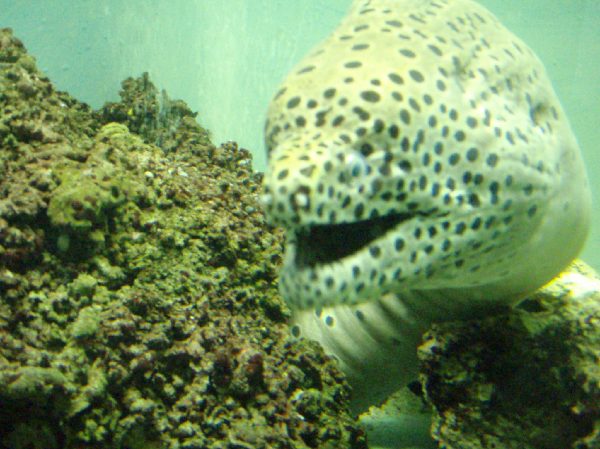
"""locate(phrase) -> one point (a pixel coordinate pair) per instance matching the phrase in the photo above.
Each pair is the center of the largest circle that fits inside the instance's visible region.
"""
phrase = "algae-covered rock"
(138, 302)
(528, 379)
(153, 116)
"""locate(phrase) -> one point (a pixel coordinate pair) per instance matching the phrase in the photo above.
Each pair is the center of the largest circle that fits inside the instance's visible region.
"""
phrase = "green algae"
(87, 322)
(21, 437)
(138, 298)
(89, 195)
(28, 381)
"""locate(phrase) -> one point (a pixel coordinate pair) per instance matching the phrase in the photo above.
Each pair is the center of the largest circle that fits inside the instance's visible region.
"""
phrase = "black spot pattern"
(370, 96)
(404, 141)
(416, 75)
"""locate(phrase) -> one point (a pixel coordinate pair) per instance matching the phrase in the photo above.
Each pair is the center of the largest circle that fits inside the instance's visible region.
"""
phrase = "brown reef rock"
(527, 379)
(138, 302)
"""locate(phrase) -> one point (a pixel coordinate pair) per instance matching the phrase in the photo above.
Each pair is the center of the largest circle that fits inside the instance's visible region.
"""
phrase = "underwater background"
(226, 58)
(139, 305)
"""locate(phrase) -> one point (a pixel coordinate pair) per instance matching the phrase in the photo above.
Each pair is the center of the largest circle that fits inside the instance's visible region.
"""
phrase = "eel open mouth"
(323, 244)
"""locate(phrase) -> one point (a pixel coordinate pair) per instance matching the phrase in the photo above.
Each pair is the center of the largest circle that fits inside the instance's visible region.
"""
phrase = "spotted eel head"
(421, 147)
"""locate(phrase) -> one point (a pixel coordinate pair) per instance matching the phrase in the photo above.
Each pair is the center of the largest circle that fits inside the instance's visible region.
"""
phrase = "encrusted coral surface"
(529, 379)
(138, 305)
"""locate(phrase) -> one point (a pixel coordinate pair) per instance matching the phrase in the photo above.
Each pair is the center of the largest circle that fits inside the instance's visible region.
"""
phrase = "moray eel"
(424, 170)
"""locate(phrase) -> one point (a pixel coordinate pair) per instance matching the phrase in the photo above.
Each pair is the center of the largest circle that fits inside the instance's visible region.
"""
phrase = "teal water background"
(225, 58)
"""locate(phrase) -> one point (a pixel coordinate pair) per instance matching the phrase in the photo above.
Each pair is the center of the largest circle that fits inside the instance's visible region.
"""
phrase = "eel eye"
(357, 165)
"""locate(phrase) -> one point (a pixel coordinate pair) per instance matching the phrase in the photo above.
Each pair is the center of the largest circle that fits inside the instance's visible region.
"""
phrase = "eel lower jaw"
(323, 244)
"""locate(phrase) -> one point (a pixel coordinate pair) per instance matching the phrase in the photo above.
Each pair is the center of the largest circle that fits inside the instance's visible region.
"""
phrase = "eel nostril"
(300, 199)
